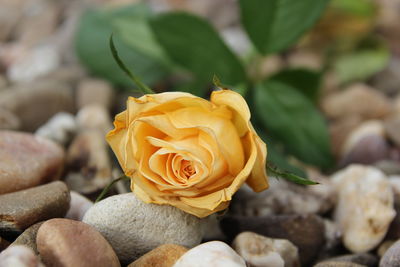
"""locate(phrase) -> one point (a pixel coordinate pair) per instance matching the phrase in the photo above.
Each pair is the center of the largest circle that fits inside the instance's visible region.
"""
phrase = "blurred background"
(58, 77)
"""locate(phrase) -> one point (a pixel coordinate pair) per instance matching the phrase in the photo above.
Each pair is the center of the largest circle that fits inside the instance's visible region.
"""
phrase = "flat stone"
(27, 161)
(211, 254)
(162, 256)
(306, 232)
(258, 250)
(21, 209)
(28, 238)
(64, 242)
(19, 256)
(133, 227)
(391, 258)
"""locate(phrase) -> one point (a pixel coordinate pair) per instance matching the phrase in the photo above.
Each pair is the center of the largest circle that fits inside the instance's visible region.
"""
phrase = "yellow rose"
(185, 151)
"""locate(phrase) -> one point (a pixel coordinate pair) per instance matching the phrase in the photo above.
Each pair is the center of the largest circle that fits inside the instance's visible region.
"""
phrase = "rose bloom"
(185, 151)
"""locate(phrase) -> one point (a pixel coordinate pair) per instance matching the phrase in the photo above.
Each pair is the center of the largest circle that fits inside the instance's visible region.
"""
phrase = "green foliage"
(92, 47)
(274, 25)
(292, 119)
(192, 42)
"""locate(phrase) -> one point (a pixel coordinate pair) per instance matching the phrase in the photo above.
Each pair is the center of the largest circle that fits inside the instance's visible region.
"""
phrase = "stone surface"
(19, 256)
(8, 120)
(306, 232)
(133, 227)
(211, 254)
(283, 197)
(94, 92)
(88, 163)
(27, 161)
(391, 258)
(19, 210)
(392, 127)
(259, 251)
(339, 131)
(64, 242)
(3, 244)
(94, 117)
(357, 99)
(78, 206)
(365, 259)
(27, 100)
(338, 264)
(384, 247)
(60, 128)
(28, 237)
(162, 256)
(365, 206)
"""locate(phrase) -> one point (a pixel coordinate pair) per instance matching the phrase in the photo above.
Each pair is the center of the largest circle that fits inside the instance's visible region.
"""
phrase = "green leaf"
(289, 176)
(361, 65)
(292, 119)
(191, 42)
(274, 25)
(306, 81)
(91, 44)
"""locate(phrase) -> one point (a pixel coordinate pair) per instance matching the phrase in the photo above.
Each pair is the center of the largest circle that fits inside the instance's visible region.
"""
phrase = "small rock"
(306, 232)
(28, 238)
(8, 120)
(391, 258)
(365, 259)
(27, 161)
(88, 163)
(94, 117)
(392, 127)
(384, 247)
(19, 256)
(27, 101)
(78, 206)
(211, 254)
(305, 59)
(358, 100)
(389, 167)
(64, 242)
(60, 128)
(365, 206)
(133, 227)
(259, 251)
(339, 131)
(333, 239)
(3, 244)
(70, 74)
(338, 264)
(21, 209)
(95, 92)
(162, 256)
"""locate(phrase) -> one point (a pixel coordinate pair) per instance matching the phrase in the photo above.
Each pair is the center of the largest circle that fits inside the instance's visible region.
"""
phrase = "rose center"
(187, 169)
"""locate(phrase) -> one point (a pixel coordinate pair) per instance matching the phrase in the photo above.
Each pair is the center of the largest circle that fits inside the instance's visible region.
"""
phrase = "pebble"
(8, 120)
(358, 100)
(94, 117)
(28, 237)
(78, 206)
(94, 92)
(392, 127)
(27, 161)
(365, 259)
(391, 258)
(27, 100)
(306, 232)
(133, 227)
(64, 242)
(283, 197)
(60, 128)
(384, 247)
(339, 131)
(88, 163)
(19, 256)
(3, 244)
(259, 251)
(162, 256)
(211, 254)
(338, 264)
(365, 206)
(19, 210)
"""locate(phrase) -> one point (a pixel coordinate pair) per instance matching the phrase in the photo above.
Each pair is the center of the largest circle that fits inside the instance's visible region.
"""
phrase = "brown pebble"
(28, 237)
(163, 256)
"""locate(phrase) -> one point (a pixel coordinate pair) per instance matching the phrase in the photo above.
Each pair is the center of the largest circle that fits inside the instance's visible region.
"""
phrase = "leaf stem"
(108, 187)
(289, 176)
(144, 88)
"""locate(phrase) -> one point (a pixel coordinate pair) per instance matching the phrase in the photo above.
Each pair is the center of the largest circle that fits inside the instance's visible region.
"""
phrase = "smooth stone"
(8, 120)
(60, 128)
(384, 247)
(306, 232)
(133, 227)
(391, 258)
(211, 254)
(21, 209)
(94, 117)
(88, 163)
(333, 239)
(259, 251)
(338, 264)
(340, 129)
(27, 101)
(358, 100)
(78, 206)
(162, 256)
(64, 242)
(283, 197)
(365, 259)
(365, 206)
(19, 256)
(3, 244)
(28, 238)
(94, 91)
(27, 161)
(392, 127)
